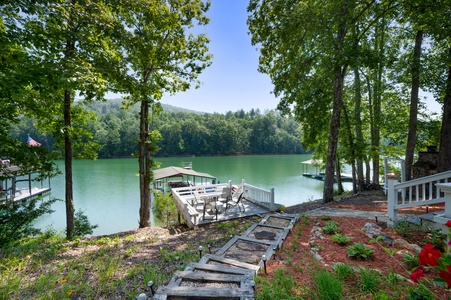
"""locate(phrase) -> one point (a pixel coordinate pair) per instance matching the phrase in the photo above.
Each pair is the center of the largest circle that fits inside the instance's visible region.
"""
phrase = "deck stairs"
(229, 273)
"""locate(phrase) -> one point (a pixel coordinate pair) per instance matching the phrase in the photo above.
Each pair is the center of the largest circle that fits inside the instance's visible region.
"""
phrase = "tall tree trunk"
(144, 166)
(413, 120)
(69, 50)
(444, 157)
(375, 128)
(352, 149)
(358, 129)
(332, 145)
(70, 223)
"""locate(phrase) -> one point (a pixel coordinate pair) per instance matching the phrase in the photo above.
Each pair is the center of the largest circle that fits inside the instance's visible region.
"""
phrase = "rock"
(142, 296)
(413, 247)
(372, 230)
(316, 256)
(400, 244)
(313, 243)
(386, 239)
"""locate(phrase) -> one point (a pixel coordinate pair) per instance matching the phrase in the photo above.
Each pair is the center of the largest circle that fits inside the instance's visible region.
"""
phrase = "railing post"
(385, 174)
(271, 202)
(392, 211)
(443, 219)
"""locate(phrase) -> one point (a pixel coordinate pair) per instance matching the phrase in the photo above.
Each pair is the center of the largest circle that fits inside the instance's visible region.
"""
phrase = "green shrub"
(406, 229)
(164, 207)
(16, 219)
(325, 217)
(331, 227)
(82, 225)
(341, 239)
(360, 251)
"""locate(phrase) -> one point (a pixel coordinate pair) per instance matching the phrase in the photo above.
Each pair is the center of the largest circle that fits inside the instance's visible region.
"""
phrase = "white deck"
(207, 204)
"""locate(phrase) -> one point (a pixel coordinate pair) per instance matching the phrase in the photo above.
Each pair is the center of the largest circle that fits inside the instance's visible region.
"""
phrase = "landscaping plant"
(432, 259)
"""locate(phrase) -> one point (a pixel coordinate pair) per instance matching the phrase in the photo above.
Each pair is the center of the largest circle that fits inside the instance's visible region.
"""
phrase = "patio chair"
(231, 202)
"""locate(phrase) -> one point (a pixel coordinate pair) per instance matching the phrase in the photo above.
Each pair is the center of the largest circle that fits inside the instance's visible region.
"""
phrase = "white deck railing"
(183, 197)
(416, 192)
(259, 196)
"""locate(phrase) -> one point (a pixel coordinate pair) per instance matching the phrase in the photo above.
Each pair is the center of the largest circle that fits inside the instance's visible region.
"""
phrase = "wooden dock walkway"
(229, 273)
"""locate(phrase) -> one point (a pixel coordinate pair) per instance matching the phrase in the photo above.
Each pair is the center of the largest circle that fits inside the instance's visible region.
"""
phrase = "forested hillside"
(184, 132)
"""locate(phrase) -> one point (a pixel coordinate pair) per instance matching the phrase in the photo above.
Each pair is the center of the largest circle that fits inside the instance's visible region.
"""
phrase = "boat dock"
(17, 186)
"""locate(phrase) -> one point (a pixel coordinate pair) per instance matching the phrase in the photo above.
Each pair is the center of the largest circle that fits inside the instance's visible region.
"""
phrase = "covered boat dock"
(172, 177)
(17, 185)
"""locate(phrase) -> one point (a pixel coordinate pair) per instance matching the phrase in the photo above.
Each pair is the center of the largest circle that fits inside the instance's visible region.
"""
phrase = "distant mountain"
(166, 107)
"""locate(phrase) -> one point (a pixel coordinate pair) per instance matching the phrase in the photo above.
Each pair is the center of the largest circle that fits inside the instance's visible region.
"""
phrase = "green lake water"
(107, 190)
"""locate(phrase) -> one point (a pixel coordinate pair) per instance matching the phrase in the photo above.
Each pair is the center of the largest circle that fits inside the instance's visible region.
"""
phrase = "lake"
(107, 190)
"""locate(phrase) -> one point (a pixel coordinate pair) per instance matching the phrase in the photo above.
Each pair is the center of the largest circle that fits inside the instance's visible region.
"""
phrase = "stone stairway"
(229, 273)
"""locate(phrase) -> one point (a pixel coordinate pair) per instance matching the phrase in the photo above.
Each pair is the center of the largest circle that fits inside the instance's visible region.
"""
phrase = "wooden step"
(201, 285)
(199, 267)
(193, 293)
(212, 258)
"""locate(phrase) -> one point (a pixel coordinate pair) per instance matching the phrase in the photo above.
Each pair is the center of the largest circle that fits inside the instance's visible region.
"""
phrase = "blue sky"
(232, 82)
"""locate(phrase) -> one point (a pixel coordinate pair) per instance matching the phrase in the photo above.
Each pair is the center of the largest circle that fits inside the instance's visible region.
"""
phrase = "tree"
(308, 60)
(160, 55)
(69, 41)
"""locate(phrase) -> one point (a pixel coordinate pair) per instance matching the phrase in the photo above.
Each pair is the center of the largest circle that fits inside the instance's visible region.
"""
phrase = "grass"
(49, 267)
(115, 267)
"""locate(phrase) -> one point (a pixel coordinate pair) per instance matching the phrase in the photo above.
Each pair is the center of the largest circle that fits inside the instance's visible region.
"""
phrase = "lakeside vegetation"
(183, 132)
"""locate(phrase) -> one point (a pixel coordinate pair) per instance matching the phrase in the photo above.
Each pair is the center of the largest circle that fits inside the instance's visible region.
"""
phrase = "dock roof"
(177, 172)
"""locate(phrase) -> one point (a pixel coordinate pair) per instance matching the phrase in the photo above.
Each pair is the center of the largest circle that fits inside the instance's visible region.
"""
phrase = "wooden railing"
(417, 192)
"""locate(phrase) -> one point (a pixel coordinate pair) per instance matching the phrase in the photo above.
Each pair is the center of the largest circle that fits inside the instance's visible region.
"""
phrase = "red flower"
(448, 223)
(417, 274)
(429, 255)
(446, 275)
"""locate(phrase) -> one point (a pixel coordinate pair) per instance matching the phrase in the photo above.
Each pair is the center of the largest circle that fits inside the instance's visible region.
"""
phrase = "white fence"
(259, 196)
(417, 192)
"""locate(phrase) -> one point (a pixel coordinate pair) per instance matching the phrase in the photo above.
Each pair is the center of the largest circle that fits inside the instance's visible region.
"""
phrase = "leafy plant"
(331, 227)
(164, 207)
(411, 261)
(82, 225)
(360, 251)
(436, 238)
(16, 220)
(325, 217)
(341, 239)
(406, 229)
